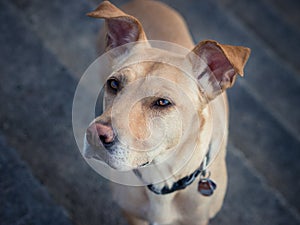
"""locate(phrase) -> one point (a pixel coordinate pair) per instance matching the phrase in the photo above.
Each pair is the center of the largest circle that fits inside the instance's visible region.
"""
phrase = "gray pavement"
(46, 45)
(23, 199)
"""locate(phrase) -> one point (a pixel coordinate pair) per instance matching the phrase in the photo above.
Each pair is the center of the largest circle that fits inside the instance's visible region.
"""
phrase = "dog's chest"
(146, 205)
(159, 209)
(162, 209)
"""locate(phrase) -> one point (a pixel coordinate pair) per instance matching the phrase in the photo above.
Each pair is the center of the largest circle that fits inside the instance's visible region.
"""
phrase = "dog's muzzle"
(99, 134)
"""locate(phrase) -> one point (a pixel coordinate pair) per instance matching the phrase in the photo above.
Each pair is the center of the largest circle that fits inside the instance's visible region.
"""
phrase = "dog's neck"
(197, 162)
(185, 181)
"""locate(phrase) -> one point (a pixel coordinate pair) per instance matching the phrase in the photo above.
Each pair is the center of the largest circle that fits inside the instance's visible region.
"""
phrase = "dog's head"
(151, 107)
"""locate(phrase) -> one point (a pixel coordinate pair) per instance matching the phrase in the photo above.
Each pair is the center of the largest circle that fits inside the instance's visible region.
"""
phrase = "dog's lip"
(93, 156)
(144, 164)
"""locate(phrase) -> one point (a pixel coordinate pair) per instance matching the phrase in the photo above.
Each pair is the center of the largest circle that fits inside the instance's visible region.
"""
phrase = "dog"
(156, 108)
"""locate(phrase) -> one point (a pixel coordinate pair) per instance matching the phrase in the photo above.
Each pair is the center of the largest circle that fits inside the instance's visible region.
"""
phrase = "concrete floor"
(47, 45)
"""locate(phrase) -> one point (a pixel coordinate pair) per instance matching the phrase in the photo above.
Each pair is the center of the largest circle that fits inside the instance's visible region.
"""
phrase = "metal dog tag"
(206, 187)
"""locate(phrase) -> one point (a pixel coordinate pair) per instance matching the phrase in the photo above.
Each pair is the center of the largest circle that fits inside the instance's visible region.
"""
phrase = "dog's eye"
(162, 102)
(113, 84)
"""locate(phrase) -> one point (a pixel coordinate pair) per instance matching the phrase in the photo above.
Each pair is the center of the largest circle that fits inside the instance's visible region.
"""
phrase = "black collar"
(185, 181)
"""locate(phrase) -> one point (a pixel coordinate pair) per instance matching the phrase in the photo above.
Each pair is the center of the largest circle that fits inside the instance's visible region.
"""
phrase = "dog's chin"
(115, 162)
(121, 165)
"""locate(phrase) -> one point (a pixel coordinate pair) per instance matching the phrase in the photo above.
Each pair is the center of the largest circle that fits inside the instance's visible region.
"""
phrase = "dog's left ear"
(216, 66)
(120, 27)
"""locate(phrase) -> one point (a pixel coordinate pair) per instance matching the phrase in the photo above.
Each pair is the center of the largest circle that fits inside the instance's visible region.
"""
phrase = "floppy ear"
(216, 66)
(120, 27)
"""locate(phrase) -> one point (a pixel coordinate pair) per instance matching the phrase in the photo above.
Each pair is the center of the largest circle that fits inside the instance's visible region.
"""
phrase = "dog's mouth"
(113, 157)
(123, 166)
(144, 164)
(91, 153)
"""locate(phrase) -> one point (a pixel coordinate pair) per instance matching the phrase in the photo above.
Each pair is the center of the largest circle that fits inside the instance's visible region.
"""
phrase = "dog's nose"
(98, 133)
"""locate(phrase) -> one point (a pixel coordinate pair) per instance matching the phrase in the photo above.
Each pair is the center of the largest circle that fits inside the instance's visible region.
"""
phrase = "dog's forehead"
(156, 63)
(156, 55)
(155, 69)
(157, 72)
(158, 79)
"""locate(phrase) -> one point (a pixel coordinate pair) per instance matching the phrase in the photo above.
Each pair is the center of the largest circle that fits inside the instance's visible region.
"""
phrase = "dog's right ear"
(121, 28)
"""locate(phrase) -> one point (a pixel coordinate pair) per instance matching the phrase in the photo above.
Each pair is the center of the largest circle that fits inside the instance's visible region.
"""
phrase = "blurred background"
(45, 47)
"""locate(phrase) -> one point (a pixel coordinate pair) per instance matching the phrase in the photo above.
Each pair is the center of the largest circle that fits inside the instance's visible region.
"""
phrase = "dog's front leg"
(132, 220)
